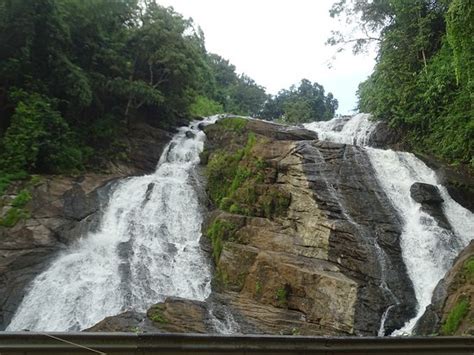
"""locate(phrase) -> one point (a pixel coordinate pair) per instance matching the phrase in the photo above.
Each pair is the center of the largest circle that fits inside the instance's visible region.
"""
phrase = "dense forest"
(423, 81)
(75, 75)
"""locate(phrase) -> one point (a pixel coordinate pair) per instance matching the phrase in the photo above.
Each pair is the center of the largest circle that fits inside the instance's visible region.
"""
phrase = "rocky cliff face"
(303, 239)
(320, 254)
(61, 209)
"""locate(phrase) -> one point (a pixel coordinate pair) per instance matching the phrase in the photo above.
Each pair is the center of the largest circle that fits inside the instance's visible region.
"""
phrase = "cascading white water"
(428, 249)
(146, 248)
(355, 130)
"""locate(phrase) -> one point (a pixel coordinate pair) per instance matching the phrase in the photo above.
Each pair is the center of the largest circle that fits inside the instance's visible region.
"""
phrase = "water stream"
(428, 249)
(146, 248)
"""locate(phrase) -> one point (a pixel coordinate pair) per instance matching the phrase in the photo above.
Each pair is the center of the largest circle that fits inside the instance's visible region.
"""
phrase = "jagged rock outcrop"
(451, 311)
(61, 209)
(457, 180)
(323, 258)
(384, 136)
(431, 202)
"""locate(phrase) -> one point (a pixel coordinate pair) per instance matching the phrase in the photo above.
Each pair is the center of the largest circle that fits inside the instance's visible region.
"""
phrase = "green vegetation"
(236, 181)
(423, 80)
(455, 317)
(236, 124)
(76, 75)
(156, 314)
(13, 216)
(469, 269)
(219, 231)
(305, 103)
(204, 106)
(21, 199)
(7, 179)
(281, 296)
(295, 332)
(16, 212)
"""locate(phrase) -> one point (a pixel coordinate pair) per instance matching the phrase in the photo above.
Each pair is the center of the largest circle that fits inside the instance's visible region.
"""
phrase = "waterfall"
(146, 248)
(428, 250)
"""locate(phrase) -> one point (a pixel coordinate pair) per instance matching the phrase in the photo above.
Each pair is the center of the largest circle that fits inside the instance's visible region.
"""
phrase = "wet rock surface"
(316, 269)
(458, 181)
(431, 202)
(384, 136)
(61, 210)
(457, 286)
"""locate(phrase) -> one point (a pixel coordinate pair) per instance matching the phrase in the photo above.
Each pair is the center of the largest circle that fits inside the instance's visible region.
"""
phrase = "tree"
(416, 84)
(304, 103)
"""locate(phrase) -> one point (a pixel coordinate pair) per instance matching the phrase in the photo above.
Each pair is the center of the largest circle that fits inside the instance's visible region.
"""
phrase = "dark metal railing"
(26, 343)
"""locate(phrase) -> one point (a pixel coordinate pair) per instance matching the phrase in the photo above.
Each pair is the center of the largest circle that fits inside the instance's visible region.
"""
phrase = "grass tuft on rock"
(455, 317)
(219, 231)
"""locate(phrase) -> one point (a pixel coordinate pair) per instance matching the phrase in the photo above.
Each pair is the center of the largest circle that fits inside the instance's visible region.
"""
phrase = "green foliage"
(38, 137)
(281, 296)
(13, 216)
(21, 199)
(7, 178)
(422, 82)
(238, 94)
(219, 231)
(235, 181)
(16, 212)
(235, 124)
(304, 103)
(469, 269)
(75, 76)
(204, 107)
(156, 314)
(455, 317)
(220, 172)
(460, 27)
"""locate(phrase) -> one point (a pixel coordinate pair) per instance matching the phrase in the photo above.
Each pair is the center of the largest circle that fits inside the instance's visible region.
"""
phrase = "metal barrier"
(27, 343)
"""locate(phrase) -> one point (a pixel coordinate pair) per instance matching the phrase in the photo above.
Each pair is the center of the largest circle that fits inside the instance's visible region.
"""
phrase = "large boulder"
(384, 136)
(431, 202)
(174, 315)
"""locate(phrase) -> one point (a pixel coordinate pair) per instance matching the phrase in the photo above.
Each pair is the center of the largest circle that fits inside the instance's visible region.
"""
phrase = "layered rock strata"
(330, 263)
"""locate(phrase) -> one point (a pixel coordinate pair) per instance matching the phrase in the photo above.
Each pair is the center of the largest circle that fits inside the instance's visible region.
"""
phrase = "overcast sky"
(279, 42)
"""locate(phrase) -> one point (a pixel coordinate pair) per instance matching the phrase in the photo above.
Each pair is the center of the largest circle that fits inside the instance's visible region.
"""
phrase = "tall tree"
(304, 103)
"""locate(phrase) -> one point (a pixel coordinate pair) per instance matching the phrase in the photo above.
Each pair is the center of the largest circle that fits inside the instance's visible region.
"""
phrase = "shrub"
(235, 124)
(21, 199)
(219, 231)
(13, 216)
(204, 106)
(7, 178)
(455, 316)
(282, 296)
(38, 138)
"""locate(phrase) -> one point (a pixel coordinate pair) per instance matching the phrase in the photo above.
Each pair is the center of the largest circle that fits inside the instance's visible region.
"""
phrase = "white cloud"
(279, 42)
